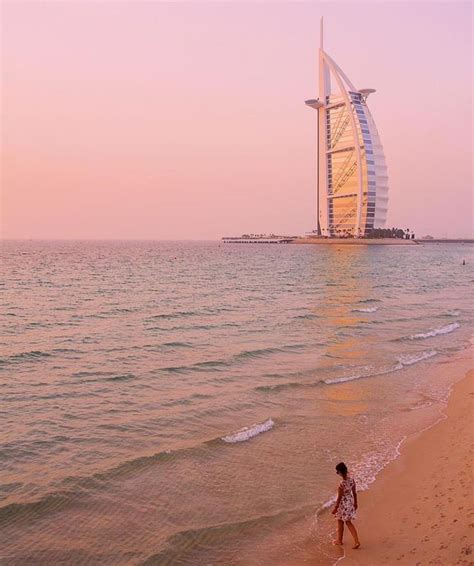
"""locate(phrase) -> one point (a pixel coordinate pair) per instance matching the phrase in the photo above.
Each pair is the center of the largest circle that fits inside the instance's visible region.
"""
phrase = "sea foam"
(403, 360)
(362, 374)
(410, 359)
(247, 433)
(436, 332)
(369, 309)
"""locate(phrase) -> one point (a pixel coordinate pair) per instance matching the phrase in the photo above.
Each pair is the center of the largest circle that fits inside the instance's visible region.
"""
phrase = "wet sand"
(421, 508)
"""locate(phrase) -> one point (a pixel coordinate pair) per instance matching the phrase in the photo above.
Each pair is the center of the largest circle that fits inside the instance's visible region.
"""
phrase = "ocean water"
(185, 402)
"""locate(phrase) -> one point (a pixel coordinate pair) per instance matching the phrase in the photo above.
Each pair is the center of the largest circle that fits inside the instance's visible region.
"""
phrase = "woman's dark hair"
(341, 468)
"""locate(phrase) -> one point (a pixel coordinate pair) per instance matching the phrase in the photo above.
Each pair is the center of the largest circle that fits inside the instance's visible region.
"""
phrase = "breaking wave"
(410, 359)
(359, 373)
(366, 372)
(403, 360)
(436, 332)
(247, 433)
(368, 309)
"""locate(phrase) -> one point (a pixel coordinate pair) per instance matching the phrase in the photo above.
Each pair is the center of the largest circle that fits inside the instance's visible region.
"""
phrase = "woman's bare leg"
(340, 532)
(354, 534)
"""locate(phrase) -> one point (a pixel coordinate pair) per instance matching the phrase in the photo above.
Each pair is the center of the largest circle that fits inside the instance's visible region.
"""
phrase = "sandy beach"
(420, 510)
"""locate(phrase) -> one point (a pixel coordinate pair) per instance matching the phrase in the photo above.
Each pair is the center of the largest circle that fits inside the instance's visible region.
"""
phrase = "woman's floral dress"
(346, 510)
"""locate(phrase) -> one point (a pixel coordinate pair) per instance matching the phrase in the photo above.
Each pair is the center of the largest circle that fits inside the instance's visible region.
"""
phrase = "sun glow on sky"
(187, 121)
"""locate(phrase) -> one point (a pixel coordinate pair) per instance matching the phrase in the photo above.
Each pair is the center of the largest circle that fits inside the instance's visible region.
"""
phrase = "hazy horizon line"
(82, 239)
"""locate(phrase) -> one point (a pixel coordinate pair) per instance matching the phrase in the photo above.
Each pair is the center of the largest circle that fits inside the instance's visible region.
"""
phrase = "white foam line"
(396, 367)
(369, 309)
(404, 360)
(436, 332)
(247, 433)
(410, 359)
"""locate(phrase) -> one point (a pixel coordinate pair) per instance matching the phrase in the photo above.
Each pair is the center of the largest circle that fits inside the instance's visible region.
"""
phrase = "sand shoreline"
(420, 508)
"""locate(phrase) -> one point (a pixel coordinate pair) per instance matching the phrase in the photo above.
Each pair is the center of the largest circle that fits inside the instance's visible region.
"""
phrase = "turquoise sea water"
(173, 403)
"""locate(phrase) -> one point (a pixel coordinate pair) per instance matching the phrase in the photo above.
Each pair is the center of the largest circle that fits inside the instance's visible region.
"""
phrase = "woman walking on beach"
(346, 505)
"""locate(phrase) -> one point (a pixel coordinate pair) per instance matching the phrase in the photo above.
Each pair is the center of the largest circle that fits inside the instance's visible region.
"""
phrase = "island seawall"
(356, 241)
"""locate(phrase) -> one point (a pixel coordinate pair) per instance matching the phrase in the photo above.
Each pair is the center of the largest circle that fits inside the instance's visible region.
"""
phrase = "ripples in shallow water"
(137, 396)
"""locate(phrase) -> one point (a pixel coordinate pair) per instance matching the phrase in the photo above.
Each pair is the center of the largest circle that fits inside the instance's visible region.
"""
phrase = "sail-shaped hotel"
(352, 182)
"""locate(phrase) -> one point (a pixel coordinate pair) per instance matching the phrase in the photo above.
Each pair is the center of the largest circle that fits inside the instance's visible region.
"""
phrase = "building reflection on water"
(349, 344)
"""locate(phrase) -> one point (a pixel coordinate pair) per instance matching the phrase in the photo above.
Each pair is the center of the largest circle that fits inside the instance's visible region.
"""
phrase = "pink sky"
(186, 120)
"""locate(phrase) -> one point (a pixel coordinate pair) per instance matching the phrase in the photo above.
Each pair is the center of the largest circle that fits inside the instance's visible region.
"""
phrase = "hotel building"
(352, 181)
